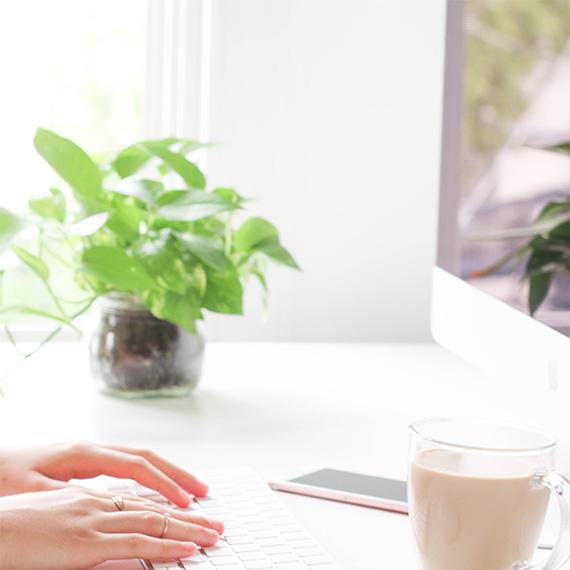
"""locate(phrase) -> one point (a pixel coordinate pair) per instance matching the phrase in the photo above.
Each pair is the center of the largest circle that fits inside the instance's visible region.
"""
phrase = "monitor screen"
(512, 158)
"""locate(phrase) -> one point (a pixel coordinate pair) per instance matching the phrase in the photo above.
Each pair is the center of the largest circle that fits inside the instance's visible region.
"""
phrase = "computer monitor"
(506, 97)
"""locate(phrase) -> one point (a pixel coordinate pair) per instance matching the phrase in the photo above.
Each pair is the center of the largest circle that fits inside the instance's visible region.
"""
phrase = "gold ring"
(165, 529)
(119, 502)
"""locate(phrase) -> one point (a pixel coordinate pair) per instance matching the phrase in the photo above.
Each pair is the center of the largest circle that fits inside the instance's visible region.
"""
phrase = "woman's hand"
(41, 469)
(75, 528)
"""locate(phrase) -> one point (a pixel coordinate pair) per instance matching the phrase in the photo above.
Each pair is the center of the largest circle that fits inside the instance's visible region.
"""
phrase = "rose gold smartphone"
(354, 488)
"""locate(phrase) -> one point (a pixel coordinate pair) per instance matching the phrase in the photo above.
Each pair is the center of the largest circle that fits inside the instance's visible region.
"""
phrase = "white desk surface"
(271, 407)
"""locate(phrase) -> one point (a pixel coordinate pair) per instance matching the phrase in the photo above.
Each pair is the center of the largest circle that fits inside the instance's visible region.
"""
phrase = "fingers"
(96, 460)
(155, 525)
(144, 466)
(186, 480)
(132, 545)
(132, 503)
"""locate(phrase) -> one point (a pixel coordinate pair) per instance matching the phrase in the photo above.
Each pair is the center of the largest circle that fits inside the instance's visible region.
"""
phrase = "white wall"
(329, 113)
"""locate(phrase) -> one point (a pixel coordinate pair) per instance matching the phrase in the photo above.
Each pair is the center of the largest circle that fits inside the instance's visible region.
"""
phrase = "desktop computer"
(506, 96)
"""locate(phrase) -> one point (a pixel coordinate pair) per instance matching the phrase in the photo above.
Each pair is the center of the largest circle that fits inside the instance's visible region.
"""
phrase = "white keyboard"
(260, 532)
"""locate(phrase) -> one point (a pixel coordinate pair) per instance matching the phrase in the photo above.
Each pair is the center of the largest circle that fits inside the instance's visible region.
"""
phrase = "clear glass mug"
(478, 492)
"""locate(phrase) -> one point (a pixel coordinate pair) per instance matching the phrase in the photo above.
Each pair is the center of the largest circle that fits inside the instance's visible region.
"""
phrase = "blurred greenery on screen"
(506, 41)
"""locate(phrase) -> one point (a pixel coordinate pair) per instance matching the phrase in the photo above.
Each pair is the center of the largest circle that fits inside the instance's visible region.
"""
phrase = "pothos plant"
(545, 251)
(139, 222)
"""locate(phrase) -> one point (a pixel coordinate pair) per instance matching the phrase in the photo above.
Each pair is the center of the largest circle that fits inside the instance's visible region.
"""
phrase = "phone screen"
(355, 483)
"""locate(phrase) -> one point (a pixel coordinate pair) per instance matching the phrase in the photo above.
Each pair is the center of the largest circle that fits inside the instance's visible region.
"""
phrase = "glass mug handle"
(560, 486)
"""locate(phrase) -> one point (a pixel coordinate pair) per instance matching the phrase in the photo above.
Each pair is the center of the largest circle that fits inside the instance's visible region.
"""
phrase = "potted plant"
(138, 233)
(545, 250)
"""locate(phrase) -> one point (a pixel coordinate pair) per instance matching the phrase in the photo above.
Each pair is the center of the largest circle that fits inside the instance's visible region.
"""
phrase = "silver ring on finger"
(119, 502)
(165, 527)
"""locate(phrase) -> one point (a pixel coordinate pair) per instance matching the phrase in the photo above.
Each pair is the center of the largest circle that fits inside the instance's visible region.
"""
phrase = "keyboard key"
(198, 557)
(239, 540)
(244, 512)
(252, 519)
(237, 502)
(301, 543)
(278, 515)
(229, 567)
(295, 535)
(287, 528)
(223, 561)
(258, 564)
(255, 555)
(194, 565)
(314, 560)
(274, 541)
(253, 527)
(220, 549)
(292, 566)
(239, 531)
(267, 533)
(310, 551)
(216, 511)
(279, 549)
(231, 522)
(251, 547)
(286, 557)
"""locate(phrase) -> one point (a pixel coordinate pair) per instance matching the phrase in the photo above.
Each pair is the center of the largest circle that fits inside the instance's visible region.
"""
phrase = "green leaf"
(543, 253)
(124, 221)
(252, 232)
(230, 195)
(257, 234)
(189, 146)
(10, 226)
(130, 160)
(192, 205)
(182, 310)
(50, 207)
(563, 148)
(70, 162)
(114, 266)
(12, 313)
(133, 158)
(171, 196)
(144, 190)
(275, 251)
(87, 226)
(539, 285)
(161, 257)
(37, 265)
(189, 172)
(561, 231)
(224, 292)
(553, 210)
(208, 250)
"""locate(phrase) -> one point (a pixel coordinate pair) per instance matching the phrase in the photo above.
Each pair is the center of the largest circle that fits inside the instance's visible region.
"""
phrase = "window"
(77, 68)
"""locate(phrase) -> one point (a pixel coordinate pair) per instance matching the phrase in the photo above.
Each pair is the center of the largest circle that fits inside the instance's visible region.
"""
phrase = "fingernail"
(185, 497)
(189, 547)
(218, 525)
(202, 489)
(213, 534)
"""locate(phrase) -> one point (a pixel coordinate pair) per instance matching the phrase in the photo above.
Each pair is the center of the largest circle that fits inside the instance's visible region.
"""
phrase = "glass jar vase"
(133, 354)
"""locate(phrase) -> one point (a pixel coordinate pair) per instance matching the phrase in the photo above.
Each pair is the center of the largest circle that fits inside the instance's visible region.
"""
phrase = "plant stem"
(57, 256)
(492, 268)
(56, 301)
(13, 341)
(228, 234)
(25, 356)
